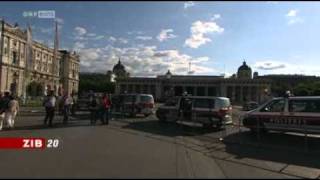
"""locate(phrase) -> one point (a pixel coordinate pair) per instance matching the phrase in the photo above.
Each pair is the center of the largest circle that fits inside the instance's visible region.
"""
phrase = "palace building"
(60, 74)
(239, 88)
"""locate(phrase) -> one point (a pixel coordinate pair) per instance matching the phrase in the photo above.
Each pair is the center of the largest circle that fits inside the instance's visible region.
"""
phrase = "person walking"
(49, 103)
(12, 111)
(67, 103)
(4, 101)
(105, 109)
(93, 108)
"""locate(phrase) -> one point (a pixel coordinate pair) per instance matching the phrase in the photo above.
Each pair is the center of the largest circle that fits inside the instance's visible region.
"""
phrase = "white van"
(206, 110)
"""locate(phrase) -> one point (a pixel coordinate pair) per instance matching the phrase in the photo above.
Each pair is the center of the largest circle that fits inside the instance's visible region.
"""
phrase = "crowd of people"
(99, 108)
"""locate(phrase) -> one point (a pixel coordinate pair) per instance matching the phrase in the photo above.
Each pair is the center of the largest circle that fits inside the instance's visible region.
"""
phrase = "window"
(203, 103)
(14, 56)
(274, 106)
(304, 106)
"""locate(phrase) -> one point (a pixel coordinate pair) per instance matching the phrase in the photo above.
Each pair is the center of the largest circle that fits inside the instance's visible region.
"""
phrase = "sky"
(199, 37)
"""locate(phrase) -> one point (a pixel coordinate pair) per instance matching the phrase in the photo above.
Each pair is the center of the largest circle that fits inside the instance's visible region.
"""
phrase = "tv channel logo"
(46, 14)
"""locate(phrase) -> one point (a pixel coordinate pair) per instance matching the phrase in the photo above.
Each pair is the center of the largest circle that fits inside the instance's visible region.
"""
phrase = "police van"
(206, 110)
(286, 114)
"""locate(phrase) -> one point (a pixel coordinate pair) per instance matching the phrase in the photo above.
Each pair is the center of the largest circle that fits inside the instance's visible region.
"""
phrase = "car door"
(272, 115)
(172, 109)
(201, 110)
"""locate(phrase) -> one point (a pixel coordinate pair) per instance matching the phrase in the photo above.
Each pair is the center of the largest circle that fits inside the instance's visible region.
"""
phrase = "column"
(223, 90)
(158, 91)
(206, 90)
(241, 94)
(233, 93)
(249, 93)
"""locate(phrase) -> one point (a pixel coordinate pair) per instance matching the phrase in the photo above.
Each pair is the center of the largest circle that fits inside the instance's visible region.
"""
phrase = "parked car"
(133, 104)
(286, 114)
(209, 111)
(250, 106)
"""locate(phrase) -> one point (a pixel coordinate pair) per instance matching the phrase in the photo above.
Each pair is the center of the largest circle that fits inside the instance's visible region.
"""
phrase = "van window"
(304, 106)
(274, 106)
(146, 99)
(203, 103)
(222, 103)
(129, 98)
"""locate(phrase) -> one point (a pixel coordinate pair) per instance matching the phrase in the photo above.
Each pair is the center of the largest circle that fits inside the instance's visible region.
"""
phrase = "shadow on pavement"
(55, 126)
(276, 147)
(168, 128)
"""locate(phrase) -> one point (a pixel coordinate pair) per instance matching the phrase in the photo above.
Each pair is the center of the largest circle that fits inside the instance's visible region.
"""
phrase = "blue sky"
(152, 37)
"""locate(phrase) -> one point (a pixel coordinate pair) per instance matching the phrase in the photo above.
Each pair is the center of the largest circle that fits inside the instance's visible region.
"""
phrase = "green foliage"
(96, 82)
(307, 89)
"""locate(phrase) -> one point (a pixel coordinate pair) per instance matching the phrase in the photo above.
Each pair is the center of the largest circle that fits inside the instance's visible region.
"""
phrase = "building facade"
(238, 89)
(47, 72)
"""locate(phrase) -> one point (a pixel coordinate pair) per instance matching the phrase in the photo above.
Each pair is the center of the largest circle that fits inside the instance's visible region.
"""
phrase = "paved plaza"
(144, 148)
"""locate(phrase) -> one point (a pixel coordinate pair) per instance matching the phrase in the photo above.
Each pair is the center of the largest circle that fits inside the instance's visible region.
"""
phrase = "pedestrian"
(49, 103)
(105, 109)
(73, 106)
(2, 109)
(93, 108)
(67, 103)
(12, 111)
(4, 105)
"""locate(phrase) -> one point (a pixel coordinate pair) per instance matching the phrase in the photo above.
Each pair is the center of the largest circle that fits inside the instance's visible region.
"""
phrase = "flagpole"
(27, 63)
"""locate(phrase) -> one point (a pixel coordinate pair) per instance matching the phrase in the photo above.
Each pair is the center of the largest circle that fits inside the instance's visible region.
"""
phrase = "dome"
(244, 67)
(118, 67)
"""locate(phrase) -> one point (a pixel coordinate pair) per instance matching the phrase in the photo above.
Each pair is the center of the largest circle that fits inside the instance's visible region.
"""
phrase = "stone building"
(239, 89)
(46, 73)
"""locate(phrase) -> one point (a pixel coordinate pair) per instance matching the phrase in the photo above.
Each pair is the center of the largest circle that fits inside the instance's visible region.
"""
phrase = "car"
(250, 106)
(133, 104)
(206, 110)
(286, 114)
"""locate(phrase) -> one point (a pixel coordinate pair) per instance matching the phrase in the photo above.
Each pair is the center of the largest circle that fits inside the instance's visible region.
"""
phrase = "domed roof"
(118, 67)
(244, 67)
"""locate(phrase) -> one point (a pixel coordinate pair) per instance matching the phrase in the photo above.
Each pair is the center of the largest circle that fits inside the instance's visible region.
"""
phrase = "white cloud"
(269, 65)
(111, 38)
(280, 67)
(60, 20)
(123, 41)
(215, 17)
(188, 4)
(91, 34)
(166, 34)
(141, 61)
(144, 38)
(78, 46)
(293, 18)
(80, 31)
(198, 31)
(292, 13)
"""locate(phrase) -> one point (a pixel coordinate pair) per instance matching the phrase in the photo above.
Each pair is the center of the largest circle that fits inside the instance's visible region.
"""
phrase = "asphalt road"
(144, 148)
